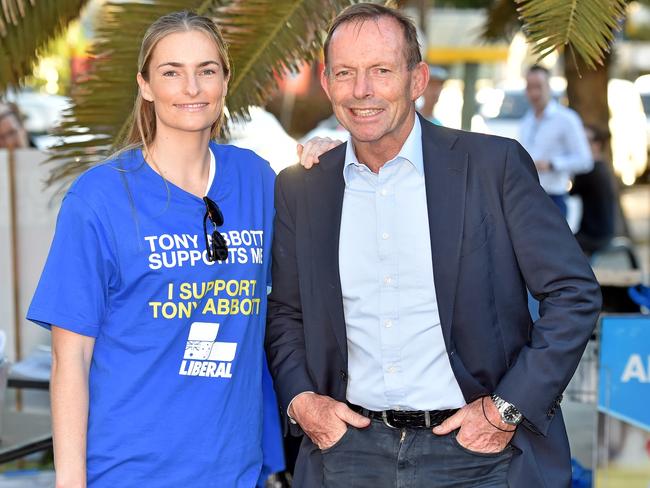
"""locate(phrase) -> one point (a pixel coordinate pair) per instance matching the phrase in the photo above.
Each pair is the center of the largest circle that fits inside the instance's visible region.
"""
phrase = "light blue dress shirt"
(559, 137)
(396, 353)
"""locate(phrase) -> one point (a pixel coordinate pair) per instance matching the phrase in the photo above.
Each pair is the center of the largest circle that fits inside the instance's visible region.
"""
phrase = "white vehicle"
(264, 135)
(502, 109)
(627, 124)
(42, 113)
(642, 84)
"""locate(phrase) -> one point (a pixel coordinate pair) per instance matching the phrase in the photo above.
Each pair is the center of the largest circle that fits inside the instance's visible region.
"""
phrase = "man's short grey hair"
(362, 12)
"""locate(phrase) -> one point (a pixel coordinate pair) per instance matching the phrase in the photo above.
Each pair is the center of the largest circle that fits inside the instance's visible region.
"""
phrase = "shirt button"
(388, 280)
(391, 369)
(388, 323)
(383, 192)
(385, 235)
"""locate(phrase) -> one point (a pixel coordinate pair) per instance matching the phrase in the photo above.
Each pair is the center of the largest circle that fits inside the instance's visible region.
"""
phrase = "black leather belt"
(400, 419)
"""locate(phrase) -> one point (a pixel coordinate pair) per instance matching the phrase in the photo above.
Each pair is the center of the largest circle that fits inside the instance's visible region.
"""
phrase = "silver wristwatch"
(509, 413)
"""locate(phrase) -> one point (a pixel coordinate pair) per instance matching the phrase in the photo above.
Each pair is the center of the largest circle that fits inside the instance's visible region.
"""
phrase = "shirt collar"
(550, 109)
(411, 150)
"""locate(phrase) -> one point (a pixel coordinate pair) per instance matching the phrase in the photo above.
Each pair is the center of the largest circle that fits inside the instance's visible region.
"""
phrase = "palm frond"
(265, 37)
(101, 104)
(587, 26)
(26, 26)
(268, 37)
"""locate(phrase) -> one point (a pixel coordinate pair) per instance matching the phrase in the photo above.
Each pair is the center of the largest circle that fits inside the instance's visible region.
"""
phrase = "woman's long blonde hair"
(142, 128)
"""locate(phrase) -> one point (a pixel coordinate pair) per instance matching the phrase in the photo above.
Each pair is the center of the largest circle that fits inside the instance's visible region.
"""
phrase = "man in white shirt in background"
(554, 137)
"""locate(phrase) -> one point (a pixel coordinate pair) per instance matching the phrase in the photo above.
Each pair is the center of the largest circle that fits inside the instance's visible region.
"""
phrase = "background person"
(368, 354)
(437, 78)
(155, 289)
(12, 132)
(597, 191)
(554, 137)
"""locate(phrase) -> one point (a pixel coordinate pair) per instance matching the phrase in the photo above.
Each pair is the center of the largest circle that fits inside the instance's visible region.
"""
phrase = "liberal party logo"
(204, 356)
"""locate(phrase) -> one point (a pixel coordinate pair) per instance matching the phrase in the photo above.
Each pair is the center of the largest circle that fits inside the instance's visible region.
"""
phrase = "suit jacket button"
(343, 375)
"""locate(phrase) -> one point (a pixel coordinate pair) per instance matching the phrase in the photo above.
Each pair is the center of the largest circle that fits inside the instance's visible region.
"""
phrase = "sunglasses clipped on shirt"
(216, 247)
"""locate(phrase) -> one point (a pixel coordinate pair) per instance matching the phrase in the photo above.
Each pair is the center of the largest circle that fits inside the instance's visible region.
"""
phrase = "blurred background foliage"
(267, 39)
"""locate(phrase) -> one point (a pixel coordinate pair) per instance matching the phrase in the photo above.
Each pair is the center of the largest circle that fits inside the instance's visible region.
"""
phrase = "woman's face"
(186, 83)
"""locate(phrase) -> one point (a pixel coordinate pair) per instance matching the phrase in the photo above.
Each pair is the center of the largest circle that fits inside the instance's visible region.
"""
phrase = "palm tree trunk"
(587, 93)
(587, 89)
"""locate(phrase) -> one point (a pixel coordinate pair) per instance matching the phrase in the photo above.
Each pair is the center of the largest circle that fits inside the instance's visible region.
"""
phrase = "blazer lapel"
(325, 188)
(445, 175)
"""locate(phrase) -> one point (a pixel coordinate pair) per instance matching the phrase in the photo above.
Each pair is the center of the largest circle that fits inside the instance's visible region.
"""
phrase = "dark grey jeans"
(379, 456)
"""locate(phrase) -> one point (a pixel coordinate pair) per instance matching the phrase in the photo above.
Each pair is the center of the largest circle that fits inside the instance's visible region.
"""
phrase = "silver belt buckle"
(384, 417)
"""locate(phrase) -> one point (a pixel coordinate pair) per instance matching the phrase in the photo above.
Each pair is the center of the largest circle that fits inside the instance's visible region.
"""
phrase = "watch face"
(512, 416)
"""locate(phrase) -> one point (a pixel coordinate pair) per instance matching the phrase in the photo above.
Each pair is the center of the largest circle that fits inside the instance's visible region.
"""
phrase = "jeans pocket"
(338, 443)
(507, 451)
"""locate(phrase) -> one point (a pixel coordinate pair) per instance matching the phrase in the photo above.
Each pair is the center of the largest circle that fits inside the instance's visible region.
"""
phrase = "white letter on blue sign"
(634, 369)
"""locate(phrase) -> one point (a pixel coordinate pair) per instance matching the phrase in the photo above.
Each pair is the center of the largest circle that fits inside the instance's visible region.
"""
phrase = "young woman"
(155, 288)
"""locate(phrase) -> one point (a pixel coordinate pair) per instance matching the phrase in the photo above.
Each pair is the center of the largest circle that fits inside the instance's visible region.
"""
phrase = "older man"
(398, 329)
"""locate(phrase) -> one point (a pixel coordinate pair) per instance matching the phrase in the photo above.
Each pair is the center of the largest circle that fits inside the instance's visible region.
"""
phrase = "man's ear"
(323, 82)
(419, 80)
(145, 90)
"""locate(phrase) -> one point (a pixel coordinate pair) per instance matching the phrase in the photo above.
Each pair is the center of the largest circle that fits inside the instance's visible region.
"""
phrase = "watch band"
(509, 413)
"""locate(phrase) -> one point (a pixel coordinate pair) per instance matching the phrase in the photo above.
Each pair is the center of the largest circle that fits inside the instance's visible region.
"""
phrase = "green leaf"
(265, 37)
(26, 27)
(586, 26)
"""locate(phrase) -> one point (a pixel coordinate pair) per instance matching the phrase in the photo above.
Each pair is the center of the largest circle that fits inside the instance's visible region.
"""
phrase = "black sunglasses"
(217, 249)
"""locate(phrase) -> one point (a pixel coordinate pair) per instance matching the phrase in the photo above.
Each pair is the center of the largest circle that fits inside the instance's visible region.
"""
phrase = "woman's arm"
(71, 355)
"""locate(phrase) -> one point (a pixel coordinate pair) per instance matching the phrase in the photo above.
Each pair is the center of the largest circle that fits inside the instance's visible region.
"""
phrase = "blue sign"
(624, 377)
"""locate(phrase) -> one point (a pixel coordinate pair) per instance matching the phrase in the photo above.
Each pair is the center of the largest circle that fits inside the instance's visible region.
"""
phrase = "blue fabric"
(560, 201)
(272, 445)
(580, 476)
(640, 294)
(176, 372)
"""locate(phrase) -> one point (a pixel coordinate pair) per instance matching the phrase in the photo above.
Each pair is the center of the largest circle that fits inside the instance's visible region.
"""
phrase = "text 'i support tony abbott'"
(215, 297)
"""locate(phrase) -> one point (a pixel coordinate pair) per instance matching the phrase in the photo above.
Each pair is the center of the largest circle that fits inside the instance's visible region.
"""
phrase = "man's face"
(12, 134)
(538, 90)
(368, 82)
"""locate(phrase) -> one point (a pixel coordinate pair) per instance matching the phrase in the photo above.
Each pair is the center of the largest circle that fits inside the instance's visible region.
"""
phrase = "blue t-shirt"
(176, 375)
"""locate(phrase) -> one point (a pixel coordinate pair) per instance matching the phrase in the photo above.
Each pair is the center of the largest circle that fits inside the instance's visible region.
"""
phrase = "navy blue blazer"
(493, 233)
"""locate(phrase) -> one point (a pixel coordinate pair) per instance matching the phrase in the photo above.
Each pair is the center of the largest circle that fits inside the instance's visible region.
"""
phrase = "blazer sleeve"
(285, 338)
(557, 274)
